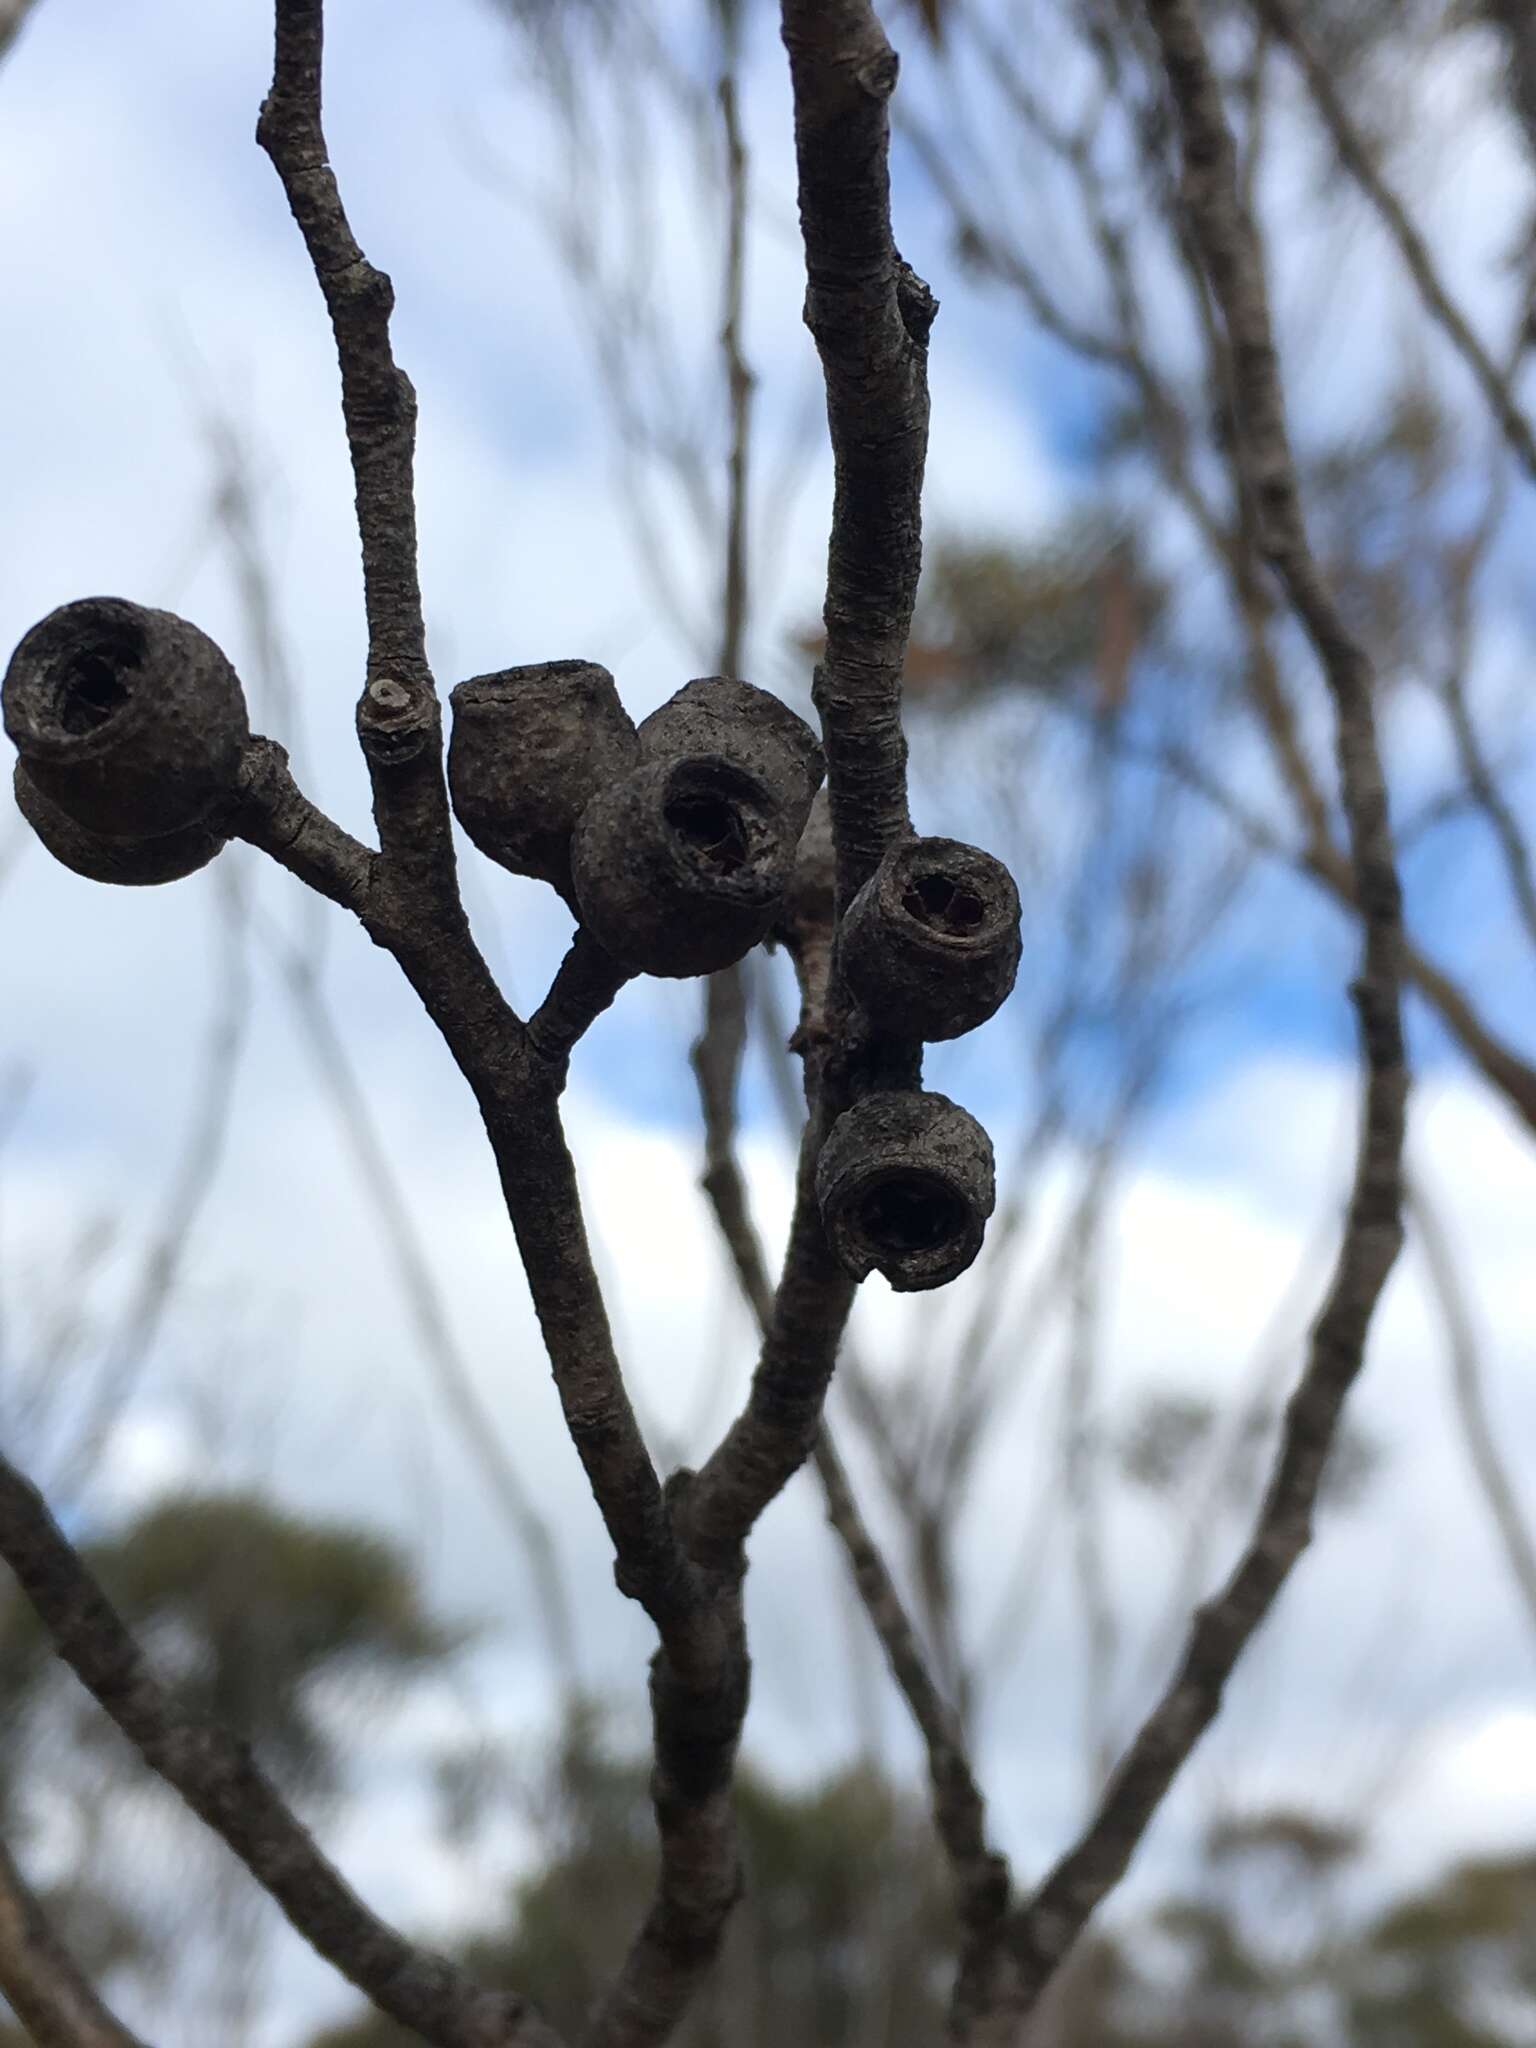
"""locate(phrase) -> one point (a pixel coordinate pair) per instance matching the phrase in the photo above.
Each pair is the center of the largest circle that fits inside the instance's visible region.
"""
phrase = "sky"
(153, 277)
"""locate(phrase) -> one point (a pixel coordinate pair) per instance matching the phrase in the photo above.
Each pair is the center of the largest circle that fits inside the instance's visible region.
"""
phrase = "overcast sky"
(152, 273)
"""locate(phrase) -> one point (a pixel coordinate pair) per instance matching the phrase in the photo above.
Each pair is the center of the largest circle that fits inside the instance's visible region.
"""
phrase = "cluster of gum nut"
(679, 844)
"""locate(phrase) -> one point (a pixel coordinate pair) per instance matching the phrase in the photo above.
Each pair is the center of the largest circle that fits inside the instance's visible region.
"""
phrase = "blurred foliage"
(262, 1619)
(246, 1609)
(847, 1911)
(845, 1936)
(1165, 1436)
(1069, 612)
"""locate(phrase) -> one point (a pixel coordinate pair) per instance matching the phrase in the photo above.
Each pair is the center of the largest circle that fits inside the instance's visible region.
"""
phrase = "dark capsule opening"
(91, 688)
(943, 905)
(711, 827)
(910, 1215)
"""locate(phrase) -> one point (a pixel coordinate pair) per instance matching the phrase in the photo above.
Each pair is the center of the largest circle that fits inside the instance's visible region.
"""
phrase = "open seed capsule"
(740, 723)
(930, 945)
(530, 748)
(905, 1183)
(137, 863)
(130, 721)
(680, 867)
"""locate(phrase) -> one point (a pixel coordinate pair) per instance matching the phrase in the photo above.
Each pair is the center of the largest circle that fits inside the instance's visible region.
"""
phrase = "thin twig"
(46, 1988)
(1518, 25)
(740, 384)
(481, 1435)
(1355, 155)
(870, 314)
(1047, 1926)
(399, 719)
(1084, 1497)
(586, 982)
(981, 1873)
(1477, 771)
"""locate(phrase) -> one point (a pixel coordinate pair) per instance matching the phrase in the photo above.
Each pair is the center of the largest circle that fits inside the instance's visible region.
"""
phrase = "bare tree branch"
(409, 902)
(981, 1873)
(215, 1774)
(870, 315)
(399, 720)
(959, 1810)
(1355, 156)
(585, 984)
(1477, 771)
(1046, 1927)
(273, 813)
(479, 1432)
(46, 1988)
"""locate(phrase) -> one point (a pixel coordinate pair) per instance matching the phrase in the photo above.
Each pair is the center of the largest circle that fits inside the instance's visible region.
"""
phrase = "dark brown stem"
(272, 812)
(1517, 24)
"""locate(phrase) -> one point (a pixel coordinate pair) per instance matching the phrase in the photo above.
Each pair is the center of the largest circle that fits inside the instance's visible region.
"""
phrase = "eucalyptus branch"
(398, 718)
(870, 314)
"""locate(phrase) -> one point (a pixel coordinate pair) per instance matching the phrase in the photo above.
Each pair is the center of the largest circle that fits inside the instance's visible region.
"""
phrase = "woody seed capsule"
(930, 945)
(130, 721)
(740, 723)
(680, 867)
(100, 858)
(530, 748)
(905, 1183)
